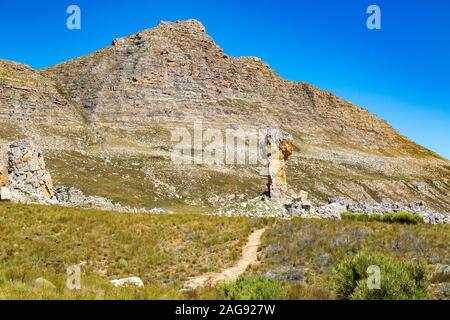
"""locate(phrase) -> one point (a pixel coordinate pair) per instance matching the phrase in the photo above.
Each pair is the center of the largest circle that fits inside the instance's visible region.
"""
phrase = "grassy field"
(42, 241)
(165, 250)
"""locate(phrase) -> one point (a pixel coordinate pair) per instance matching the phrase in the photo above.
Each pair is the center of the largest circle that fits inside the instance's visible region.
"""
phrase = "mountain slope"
(33, 105)
(129, 96)
(176, 72)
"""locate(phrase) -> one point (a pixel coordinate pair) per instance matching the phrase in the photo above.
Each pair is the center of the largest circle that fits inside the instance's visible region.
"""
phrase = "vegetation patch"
(380, 277)
(252, 288)
(397, 217)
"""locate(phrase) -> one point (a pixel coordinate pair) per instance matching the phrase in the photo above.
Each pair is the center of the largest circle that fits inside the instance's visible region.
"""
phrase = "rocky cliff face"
(176, 72)
(121, 102)
(33, 105)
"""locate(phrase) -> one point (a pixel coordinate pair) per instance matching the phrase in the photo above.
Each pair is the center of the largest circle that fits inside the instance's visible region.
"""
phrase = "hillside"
(105, 120)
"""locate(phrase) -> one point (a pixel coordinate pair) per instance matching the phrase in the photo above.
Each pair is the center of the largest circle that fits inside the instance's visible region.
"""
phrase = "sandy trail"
(249, 256)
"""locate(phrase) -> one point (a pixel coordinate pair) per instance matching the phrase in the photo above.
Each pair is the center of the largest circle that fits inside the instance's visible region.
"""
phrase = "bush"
(255, 288)
(399, 217)
(399, 280)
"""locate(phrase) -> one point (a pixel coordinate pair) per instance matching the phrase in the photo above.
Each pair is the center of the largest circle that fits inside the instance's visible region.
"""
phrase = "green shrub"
(355, 216)
(398, 217)
(399, 280)
(123, 263)
(255, 288)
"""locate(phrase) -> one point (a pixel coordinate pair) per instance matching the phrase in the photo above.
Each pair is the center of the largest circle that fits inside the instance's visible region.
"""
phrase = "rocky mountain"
(105, 120)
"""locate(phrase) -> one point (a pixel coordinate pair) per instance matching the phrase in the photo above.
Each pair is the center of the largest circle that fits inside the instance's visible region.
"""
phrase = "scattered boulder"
(69, 195)
(288, 274)
(5, 194)
(418, 207)
(157, 211)
(345, 201)
(297, 207)
(279, 148)
(72, 197)
(331, 210)
(135, 281)
(303, 195)
(257, 207)
(44, 283)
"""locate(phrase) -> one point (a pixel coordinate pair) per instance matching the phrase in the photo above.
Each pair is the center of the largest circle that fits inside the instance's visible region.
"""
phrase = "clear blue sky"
(401, 72)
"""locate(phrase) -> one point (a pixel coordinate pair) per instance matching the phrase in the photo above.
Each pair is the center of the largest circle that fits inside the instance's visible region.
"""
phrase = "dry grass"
(164, 250)
(42, 241)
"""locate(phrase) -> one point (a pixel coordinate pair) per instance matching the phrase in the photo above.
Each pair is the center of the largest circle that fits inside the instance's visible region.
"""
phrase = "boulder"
(5, 194)
(135, 281)
(307, 205)
(288, 274)
(69, 195)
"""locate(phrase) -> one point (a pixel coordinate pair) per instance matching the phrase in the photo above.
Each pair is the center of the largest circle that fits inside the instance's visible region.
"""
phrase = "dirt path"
(249, 256)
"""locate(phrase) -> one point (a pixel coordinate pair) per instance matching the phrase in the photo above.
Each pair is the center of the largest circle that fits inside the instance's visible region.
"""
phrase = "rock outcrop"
(279, 148)
(27, 174)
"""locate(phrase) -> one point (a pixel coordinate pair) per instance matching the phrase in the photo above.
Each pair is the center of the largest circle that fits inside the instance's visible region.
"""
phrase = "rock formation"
(3, 168)
(279, 147)
(26, 171)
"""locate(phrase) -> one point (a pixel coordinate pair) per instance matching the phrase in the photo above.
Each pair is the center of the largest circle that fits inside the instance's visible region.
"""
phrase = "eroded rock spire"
(279, 147)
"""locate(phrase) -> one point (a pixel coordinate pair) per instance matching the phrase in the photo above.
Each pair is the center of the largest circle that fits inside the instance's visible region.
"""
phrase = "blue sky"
(400, 73)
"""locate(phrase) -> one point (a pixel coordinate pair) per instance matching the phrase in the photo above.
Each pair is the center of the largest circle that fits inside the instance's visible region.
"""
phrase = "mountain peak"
(163, 31)
(190, 25)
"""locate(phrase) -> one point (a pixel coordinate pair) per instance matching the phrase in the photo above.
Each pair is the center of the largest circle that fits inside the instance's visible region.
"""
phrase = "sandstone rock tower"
(3, 168)
(26, 171)
(279, 147)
